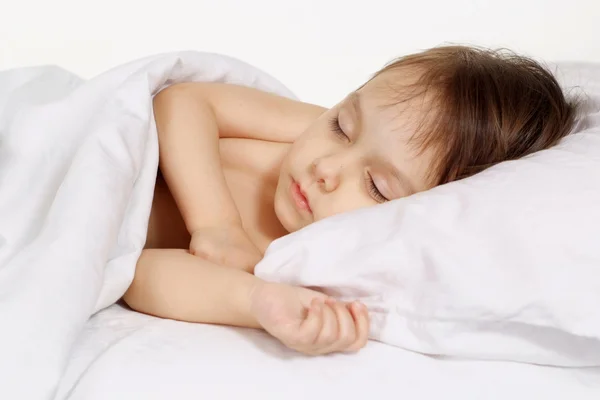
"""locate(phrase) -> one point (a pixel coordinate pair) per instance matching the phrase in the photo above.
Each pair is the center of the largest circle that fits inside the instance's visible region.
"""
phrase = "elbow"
(166, 95)
(132, 300)
(180, 90)
(139, 296)
(177, 101)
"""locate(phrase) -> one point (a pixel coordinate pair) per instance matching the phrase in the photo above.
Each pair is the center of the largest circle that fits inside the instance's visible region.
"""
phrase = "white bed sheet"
(126, 355)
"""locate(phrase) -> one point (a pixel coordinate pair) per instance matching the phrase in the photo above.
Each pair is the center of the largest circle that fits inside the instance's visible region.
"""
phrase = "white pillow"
(502, 265)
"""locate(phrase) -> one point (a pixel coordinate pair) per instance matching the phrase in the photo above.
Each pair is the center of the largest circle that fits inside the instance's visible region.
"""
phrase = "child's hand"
(225, 245)
(309, 321)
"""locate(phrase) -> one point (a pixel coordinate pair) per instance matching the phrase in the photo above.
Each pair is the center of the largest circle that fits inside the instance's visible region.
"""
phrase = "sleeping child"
(239, 168)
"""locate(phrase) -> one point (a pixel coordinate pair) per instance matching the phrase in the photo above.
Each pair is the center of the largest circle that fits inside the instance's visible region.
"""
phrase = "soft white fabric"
(78, 161)
(502, 265)
(124, 355)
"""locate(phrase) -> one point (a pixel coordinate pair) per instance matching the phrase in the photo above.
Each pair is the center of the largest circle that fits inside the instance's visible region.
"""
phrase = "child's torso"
(251, 169)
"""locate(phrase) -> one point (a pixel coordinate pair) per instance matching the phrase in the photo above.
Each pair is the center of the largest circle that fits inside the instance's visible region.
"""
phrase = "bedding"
(126, 355)
(78, 161)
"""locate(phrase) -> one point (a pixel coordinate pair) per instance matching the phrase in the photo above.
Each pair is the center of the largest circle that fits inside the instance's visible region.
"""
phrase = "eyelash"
(334, 124)
(374, 191)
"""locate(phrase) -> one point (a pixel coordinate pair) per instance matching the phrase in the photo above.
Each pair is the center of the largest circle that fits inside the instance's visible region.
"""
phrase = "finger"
(311, 326)
(347, 332)
(238, 258)
(209, 252)
(204, 249)
(329, 331)
(253, 258)
(346, 326)
(361, 320)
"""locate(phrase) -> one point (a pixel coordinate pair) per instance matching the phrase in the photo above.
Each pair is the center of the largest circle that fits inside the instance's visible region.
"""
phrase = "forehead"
(384, 115)
(396, 89)
(387, 125)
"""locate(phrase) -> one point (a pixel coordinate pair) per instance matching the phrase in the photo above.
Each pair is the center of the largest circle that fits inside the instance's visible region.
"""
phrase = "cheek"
(290, 161)
(344, 200)
(304, 150)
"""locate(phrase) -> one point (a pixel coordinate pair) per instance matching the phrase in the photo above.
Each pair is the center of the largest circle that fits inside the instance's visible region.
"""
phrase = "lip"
(299, 197)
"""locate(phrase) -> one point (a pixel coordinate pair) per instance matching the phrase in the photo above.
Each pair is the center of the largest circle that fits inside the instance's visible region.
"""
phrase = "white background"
(321, 49)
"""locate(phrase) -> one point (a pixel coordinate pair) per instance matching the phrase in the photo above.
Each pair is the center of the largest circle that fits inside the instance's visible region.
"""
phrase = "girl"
(240, 168)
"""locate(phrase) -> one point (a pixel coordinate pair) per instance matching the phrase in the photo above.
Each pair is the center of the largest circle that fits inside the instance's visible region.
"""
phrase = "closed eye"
(374, 191)
(334, 125)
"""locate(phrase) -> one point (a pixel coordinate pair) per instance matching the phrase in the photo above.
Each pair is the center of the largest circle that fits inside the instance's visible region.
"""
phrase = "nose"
(326, 172)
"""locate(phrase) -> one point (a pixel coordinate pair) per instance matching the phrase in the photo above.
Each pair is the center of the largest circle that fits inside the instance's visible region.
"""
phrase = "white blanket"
(123, 355)
(78, 161)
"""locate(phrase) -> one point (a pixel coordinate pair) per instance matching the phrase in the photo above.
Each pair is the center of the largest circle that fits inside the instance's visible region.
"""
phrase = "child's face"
(365, 161)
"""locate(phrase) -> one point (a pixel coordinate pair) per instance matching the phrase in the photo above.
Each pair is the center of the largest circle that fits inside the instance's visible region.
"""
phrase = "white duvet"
(78, 161)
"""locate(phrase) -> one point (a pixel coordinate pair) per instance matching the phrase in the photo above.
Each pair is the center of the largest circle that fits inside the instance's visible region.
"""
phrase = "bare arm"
(171, 283)
(190, 119)
(174, 284)
(188, 138)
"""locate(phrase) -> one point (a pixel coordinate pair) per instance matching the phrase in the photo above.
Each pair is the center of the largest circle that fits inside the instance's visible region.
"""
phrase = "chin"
(283, 215)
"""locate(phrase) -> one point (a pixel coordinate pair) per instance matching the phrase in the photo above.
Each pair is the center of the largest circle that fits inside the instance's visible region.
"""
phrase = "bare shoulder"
(245, 112)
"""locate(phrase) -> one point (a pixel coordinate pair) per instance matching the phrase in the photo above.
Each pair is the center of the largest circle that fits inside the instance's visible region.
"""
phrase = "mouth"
(299, 197)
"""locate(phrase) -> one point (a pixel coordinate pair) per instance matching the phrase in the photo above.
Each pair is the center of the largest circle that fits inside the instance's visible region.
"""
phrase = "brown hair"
(490, 106)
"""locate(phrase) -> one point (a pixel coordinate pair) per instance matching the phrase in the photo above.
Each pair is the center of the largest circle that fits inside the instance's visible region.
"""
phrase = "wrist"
(244, 299)
(222, 223)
